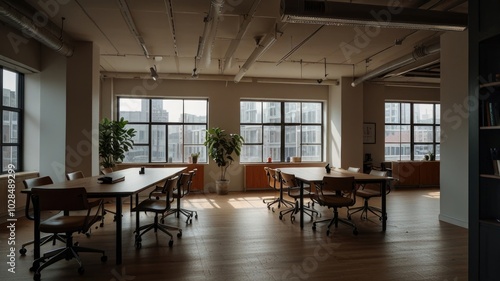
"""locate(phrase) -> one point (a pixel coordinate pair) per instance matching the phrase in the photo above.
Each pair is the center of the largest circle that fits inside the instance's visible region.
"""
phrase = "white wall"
(454, 128)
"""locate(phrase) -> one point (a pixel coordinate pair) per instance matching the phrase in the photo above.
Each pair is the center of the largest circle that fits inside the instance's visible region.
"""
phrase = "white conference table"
(314, 175)
(133, 183)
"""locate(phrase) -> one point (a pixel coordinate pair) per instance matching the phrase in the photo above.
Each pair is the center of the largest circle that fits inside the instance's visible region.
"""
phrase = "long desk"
(314, 175)
(133, 183)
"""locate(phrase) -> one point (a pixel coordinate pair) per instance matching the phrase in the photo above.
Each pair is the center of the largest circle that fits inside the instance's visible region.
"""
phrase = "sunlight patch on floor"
(201, 204)
(435, 195)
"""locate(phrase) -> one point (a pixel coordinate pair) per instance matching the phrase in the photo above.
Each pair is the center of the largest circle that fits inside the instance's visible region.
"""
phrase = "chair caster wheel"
(281, 217)
(22, 251)
(101, 224)
(87, 234)
(32, 269)
(196, 216)
(171, 242)
(81, 270)
(349, 217)
(179, 235)
(138, 245)
(272, 209)
(314, 227)
(190, 221)
(37, 277)
(292, 218)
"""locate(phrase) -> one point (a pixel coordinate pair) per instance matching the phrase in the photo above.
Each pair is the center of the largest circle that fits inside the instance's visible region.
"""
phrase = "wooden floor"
(237, 238)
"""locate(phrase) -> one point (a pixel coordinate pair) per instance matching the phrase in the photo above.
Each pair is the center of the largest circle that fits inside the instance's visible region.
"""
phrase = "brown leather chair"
(74, 175)
(30, 183)
(274, 182)
(158, 207)
(75, 199)
(336, 192)
(368, 191)
(292, 185)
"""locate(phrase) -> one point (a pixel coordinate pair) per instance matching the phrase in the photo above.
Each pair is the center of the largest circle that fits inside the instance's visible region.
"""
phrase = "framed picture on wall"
(369, 132)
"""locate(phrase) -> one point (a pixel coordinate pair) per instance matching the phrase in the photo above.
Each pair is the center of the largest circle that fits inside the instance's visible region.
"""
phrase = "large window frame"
(270, 128)
(11, 142)
(159, 138)
(409, 133)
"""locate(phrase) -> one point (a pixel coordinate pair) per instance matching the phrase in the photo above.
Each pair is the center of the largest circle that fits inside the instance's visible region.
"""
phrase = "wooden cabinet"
(416, 173)
(484, 134)
(255, 176)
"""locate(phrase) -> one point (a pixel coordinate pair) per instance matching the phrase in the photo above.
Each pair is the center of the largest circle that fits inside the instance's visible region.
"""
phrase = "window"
(12, 119)
(412, 130)
(280, 130)
(168, 130)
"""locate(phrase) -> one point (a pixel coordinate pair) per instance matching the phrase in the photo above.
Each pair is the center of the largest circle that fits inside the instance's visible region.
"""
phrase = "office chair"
(274, 182)
(367, 191)
(30, 183)
(183, 189)
(106, 171)
(336, 192)
(291, 183)
(159, 207)
(353, 169)
(75, 199)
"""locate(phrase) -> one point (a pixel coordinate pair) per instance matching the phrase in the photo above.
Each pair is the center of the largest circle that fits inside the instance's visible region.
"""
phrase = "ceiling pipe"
(262, 46)
(418, 53)
(19, 21)
(207, 40)
(127, 16)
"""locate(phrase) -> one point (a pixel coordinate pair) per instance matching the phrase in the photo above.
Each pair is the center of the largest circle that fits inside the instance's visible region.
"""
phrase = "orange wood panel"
(429, 173)
(407, 173)
(255, 176)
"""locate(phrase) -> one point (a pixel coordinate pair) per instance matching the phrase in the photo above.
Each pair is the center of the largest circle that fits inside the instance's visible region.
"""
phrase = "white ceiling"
(102, 22)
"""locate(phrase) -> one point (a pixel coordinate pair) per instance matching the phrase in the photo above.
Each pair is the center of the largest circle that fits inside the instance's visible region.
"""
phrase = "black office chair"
(67, 200)
(368, 191)
(290, 182)
(158, 207)
(30, 183)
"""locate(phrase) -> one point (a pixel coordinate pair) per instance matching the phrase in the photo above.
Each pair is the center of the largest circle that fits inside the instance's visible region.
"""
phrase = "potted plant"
(114, 141)
(194, 157)
(221, 146)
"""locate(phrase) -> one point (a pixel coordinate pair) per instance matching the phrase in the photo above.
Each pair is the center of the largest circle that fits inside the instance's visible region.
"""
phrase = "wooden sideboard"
(416, 173)
(255, 176)
(198, 180)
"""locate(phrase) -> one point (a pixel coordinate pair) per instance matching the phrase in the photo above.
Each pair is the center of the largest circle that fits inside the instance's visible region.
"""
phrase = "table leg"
(36, 244)
(301, 202)
(384, 200)
(118, 230)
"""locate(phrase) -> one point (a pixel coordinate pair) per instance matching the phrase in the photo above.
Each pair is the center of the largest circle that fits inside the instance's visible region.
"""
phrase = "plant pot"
(195, 160)
(222, 187)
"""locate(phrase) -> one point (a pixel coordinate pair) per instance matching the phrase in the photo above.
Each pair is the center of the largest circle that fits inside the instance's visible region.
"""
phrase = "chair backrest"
(30, 183)
(183, 184)
(288, 180)
(338, 186)
(376, 186)
(49, 199)
(192, 174)
(106, 171)
(168, 188)
(272, 177)
(378, 173)
(74, 175)
(353, 169)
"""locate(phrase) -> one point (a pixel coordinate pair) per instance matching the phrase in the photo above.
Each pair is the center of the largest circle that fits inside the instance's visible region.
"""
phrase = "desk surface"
(315, 174)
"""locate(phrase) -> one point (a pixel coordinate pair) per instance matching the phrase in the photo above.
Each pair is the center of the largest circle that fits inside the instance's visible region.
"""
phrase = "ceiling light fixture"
(195, 70)
(324, 78)
(154, 73)
(339, 13)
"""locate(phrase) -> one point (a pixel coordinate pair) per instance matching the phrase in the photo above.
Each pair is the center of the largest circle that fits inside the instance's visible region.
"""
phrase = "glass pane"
(10, 97)
(438, 152)
(292, 112)
(174, 110)
(311, 153)
(134, 110)
(175, 141)
(272, 142)
(438, 134)
(438, 114)
(405, 113)
(423, 113)
(158, 143)
(311, 134)
(189, 149)
(194, 134)
(10, 157)
(271, 112)
(292, 141)
(311, 112)
(159, 113)
(420, 150)
(251, 153)
(423, 134)
(405, 133)
(392, 113)
(139, 154)
(405, 151)
(10, 127)
(251, 133)
(250, 112)
(195, 111)
(142, 133)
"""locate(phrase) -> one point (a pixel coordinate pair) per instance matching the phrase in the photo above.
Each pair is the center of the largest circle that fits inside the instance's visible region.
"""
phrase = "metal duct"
(14, 18)
(339, 13)
(207, 40)
(418, 53)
